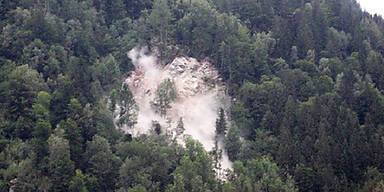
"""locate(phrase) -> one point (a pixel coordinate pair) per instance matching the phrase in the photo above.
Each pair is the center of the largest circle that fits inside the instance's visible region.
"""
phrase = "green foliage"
(11, 159)
(242, 117)
(305, 78)
(286, 151)
(29, 178)
(337, 43)
(221, 124)
(19, 91)
(259, 175)
(195, 172)
(73, 135)
(107, 72)
(196, 29)
(148, 160)
(233, 143)
(42, 126)
(305, 36)
(297, 83)
(160, 20)
(164, 95)
(128, 107)
(306, 66)
(114, 10)
(263, 97)
(74, 109)
(375, 67)
(78, 182)
(180, 127)
(137, 188)
(373, 179)
(102, 163)
(61, 168)
(263, 143)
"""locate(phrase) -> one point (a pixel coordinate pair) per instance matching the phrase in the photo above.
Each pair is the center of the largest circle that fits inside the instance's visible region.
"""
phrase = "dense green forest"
(306, 77)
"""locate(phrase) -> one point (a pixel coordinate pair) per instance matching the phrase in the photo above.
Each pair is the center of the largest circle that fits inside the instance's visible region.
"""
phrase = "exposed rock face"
(199, 95)
(190, 76)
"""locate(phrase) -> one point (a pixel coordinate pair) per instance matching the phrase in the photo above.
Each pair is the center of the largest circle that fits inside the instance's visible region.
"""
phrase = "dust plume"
(200, 93)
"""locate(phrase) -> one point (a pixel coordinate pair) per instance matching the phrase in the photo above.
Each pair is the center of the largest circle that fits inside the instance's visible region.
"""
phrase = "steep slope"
(199, 90)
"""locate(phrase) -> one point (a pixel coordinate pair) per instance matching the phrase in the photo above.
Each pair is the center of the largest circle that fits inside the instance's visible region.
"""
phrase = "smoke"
(197, 103)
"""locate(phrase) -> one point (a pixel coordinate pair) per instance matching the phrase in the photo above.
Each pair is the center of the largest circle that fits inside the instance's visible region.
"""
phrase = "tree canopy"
(305, 77)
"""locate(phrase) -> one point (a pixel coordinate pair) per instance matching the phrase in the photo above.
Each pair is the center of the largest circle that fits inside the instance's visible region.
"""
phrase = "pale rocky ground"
(200, 93)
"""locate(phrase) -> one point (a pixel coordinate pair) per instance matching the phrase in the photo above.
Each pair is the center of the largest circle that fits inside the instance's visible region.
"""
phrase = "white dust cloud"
(199, 96)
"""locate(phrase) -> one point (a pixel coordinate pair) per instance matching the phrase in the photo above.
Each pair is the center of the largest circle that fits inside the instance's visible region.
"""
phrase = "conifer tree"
(165, 94)
(61, 168)
(180, 127)
(233, 143)
(221, 124)
(160, 20)
(128, 108)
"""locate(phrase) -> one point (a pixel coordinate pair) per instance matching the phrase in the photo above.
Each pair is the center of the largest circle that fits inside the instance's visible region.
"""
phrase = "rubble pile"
(199, 94)
(190, 76)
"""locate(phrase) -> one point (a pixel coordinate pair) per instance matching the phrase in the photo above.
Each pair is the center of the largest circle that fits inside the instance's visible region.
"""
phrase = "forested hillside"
(306, 78)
